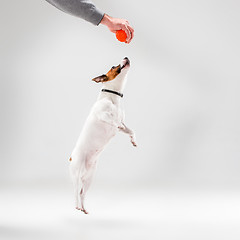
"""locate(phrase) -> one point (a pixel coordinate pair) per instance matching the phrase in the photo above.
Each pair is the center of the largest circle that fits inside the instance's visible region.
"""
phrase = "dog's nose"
(127, 60)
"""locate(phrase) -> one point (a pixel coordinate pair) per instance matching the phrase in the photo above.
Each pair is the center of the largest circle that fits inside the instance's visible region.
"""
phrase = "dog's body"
(103, 122)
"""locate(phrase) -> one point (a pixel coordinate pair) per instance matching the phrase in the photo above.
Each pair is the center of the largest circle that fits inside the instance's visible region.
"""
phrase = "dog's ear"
(102, 78)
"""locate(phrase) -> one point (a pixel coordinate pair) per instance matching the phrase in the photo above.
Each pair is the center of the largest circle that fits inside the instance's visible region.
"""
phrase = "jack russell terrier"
(103, 122)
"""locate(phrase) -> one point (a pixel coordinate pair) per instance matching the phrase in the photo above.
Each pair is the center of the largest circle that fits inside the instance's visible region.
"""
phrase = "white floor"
(47, 212)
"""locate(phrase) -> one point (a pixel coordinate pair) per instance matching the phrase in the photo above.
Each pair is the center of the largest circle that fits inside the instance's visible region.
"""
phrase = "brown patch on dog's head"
(111, 74)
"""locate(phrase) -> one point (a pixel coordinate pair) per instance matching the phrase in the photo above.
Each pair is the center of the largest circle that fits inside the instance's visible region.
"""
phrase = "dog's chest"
(105, 109)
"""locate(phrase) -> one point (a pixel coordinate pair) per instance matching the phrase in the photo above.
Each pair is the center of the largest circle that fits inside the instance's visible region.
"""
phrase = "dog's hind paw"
(83, 210)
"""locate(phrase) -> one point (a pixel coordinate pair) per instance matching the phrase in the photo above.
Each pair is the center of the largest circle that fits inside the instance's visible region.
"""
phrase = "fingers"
(129, 31)
(132, 34)
(115, 24)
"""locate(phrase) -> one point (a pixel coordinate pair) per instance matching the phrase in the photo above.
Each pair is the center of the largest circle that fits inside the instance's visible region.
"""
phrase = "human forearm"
(79, 8)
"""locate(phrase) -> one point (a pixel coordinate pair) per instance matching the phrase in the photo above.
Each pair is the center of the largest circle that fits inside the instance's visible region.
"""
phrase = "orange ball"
(121, 35)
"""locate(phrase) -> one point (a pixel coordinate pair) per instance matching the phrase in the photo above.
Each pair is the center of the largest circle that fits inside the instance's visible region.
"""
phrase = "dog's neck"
(116, 85)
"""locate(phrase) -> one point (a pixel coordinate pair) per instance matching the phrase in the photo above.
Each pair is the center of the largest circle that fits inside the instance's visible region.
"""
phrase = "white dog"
(103, 122)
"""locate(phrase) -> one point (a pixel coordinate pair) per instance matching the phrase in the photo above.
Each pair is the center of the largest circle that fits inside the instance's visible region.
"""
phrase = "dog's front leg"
(128, 131)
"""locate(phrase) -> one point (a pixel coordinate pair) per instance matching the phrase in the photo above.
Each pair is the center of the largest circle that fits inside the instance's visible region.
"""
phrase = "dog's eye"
(113, 67)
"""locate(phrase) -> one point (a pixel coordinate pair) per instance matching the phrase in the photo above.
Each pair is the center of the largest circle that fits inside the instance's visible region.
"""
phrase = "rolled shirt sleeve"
(84, 9)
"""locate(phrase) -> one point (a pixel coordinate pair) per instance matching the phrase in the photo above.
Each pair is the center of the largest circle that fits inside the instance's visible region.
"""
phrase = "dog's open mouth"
(125, 63)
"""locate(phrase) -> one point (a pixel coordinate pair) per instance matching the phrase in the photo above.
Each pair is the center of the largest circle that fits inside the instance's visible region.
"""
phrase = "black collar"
(111, 91)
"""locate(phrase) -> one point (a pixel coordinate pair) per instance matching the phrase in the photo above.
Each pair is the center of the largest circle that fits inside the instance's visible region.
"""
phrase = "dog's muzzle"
(125, 63)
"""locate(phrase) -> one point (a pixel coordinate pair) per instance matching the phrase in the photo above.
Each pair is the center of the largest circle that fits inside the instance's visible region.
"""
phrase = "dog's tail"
(70, 159)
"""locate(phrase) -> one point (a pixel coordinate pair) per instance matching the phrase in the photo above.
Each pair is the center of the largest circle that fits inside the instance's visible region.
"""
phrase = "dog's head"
(115, 72)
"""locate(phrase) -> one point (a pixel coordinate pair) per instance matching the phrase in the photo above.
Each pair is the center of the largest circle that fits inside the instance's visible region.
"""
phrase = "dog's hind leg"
(75, 173)
(86, 181)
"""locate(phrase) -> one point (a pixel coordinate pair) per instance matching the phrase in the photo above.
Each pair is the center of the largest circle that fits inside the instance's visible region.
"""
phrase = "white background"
(182, 99)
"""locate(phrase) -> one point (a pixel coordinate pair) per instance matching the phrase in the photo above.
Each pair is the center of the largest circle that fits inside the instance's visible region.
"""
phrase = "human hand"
(115, 24)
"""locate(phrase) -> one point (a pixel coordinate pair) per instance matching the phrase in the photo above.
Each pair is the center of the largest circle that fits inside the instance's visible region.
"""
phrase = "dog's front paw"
(133, 142)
